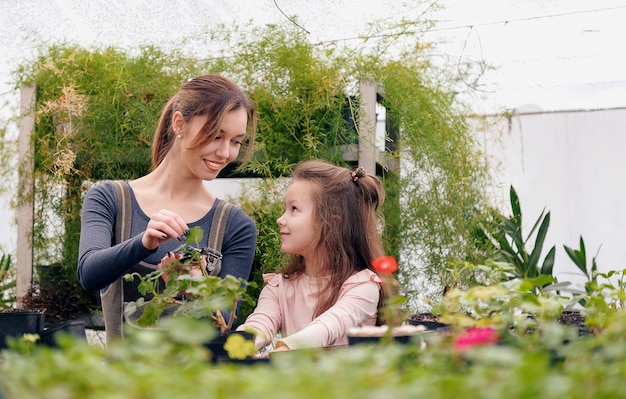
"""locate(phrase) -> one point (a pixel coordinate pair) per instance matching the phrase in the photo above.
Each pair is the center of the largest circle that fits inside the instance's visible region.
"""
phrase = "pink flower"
(476, 336)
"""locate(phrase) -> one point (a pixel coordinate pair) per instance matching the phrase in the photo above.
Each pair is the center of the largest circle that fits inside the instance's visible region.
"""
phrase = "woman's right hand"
(163, 226)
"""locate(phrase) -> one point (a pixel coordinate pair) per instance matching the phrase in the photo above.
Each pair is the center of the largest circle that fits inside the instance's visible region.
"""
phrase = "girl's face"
(298, 227)
(207, 161)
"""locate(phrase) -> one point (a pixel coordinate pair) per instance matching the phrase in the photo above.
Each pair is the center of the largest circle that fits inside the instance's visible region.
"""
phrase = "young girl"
(330, 228)
(200, 132)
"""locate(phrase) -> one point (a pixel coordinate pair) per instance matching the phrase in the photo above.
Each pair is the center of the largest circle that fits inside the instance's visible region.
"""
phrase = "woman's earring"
(178, 136)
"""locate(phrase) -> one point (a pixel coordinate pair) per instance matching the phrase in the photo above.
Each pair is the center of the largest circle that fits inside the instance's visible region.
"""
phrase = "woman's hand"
(163, 226)
(165, 263)
(194, 269)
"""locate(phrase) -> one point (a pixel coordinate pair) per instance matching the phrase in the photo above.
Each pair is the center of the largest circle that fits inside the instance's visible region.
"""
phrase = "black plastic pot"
(427, 320)
(216, 346)
(15, 323)
(402, 334)
(400, 339)
(74, 327)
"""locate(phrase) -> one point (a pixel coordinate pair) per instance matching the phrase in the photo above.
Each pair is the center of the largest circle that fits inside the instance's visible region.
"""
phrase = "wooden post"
(367, 127)
(25, 186)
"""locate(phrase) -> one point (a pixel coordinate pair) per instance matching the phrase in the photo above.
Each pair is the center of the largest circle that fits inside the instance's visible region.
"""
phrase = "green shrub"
(7, 282)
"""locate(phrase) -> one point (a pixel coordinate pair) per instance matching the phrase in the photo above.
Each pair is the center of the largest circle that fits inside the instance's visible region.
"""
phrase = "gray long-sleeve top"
(101, 262)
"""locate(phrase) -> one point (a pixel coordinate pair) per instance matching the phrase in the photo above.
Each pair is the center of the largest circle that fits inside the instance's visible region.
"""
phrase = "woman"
(201, 130)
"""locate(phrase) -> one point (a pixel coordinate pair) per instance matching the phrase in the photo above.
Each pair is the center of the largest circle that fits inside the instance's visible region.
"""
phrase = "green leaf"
(151, 314)
(543, 280)
(594, 266)
(515, 205)
(548, 262)
(582, 246)
(578, 258)
(533, 260)
(514, 231)
(539, 220)
(194, 236)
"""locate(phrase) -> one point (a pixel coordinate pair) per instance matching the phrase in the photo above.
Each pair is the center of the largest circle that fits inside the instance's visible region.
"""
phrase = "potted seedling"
(200, 296)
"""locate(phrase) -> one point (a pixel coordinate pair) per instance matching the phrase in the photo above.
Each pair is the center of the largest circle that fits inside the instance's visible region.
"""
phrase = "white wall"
(229, 189)
(572, 164)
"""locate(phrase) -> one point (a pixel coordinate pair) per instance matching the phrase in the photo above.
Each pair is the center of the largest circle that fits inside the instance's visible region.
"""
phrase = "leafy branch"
(202, 296)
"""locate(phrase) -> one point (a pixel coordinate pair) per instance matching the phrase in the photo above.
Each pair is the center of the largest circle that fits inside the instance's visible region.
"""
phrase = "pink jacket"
(288, 305)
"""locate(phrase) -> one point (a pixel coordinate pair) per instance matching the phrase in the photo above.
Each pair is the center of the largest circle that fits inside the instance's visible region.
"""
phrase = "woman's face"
(207, 161)
(298, 228)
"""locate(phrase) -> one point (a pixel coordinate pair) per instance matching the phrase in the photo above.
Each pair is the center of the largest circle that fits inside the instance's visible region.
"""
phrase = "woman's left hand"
(165, 263)
(194, 270)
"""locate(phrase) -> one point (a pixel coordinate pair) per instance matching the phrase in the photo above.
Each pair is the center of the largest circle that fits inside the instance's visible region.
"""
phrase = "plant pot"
(216, 346)
(75, 327)
(377, 334)
(15, 323)
(428, 320)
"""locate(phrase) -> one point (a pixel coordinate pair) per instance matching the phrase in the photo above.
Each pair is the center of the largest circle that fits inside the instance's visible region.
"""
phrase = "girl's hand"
(280, 347)
(163, 226)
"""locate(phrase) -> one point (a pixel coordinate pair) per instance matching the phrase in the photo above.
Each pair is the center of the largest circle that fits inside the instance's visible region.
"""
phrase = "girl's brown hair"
(211, 95)
(347, 211)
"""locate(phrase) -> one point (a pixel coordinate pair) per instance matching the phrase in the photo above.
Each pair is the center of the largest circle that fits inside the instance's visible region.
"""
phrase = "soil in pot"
(575, 319)
(61, 302)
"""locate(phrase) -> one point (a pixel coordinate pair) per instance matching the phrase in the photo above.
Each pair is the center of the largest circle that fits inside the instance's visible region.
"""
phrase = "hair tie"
(356, 174)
